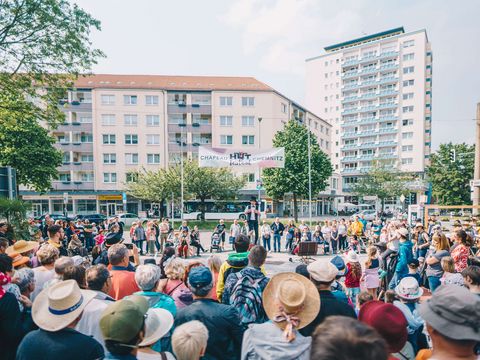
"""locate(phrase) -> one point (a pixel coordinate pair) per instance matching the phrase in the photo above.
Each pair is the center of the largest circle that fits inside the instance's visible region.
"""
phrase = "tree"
(15, 212)
(450, 171)
(293, 178)
(382, 183)
(44, 46)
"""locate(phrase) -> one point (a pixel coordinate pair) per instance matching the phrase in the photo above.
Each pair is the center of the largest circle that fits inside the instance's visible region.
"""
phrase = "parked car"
(368, 215)
(54, 217)
(96, 218)
(127, 219)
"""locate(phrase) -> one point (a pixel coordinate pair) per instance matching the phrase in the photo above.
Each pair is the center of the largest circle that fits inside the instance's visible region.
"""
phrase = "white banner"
(272, 158)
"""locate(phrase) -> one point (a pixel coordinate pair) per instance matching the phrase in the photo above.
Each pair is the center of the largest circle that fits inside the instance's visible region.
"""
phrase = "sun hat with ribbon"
(291, 301)
(403, 232)
(22, 246)
(408, 288)
(454, 312)
(18, 259)
(59, 305)
(389, 322)
(157, 324)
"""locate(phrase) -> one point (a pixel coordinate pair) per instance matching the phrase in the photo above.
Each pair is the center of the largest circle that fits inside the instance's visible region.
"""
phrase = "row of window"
(131, 158)
(130, 139)
(228, 139)
(227, 120)
(248, 101)
(109, 99)
(131, 119)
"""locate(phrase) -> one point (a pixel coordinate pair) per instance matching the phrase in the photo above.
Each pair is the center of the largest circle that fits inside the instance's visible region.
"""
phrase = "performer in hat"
(252, 212)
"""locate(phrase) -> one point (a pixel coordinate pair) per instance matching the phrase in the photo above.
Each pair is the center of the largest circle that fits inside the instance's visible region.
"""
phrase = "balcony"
(193, 128)
(350, 62)
(72, 185)
(388, 54)
(182, 108)
(349, 135)
(369, 145)
(75, 126)
(363, 133)
(350, 86)
(74, 146)
(366, 157)
(387, 118)
(387, 143)
(368, 96)
(388, 130)
(79, 106)
(387, 156)
(349, 122)
(368, 59)
(349, 146)
(349, 99)
(350, 74)
(388, 80)
(349, 111)
(369, 120)
(369, 70)
(368, 83)
(390, 105)
(388, 93)
(367, 108)
(388, 67)
(349, 159)
(349, 171)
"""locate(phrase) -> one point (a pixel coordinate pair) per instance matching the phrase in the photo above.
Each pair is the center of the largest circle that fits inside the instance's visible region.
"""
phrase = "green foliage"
(15, 212)
(450, 179)
(381, 182)
(293, 178)
(44, 45)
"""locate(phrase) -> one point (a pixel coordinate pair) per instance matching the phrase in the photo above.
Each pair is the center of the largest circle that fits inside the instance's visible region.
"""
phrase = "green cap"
(122, 320)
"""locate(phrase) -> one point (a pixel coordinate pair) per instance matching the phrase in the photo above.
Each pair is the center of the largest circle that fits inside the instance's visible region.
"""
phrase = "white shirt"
(235, 230)
(89, 323)
(327, 232)
(252, 213)
(342, 229)
(265, 229)
(41, 276)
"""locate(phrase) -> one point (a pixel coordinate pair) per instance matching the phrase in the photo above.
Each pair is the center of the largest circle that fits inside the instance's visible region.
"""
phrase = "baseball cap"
(454, 312)
(122, 320)
(200, 276)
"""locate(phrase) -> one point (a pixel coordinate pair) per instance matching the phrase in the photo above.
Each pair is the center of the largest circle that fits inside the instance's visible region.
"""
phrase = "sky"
(270, 40)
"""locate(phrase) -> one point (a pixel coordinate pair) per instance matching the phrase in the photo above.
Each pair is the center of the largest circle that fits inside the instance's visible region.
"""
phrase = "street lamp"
(182, 125)
(309, 179)
(259, 169)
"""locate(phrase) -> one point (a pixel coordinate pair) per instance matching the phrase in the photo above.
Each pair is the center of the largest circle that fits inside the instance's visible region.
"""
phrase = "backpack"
(246, 298)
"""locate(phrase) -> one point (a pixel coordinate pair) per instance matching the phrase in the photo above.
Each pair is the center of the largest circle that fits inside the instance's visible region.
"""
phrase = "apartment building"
(376, 91)
(118, 124)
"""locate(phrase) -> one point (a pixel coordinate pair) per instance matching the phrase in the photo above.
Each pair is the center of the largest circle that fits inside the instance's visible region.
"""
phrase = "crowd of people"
(110, 303)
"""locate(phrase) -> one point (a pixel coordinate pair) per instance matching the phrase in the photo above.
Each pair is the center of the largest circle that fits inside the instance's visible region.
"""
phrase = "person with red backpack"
(243, 289)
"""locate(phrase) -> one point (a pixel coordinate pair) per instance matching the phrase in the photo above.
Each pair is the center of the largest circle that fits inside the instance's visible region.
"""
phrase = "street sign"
(259, 184)
(402, 198)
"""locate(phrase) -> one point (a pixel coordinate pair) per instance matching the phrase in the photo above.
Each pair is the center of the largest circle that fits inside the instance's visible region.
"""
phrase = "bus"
(216, 210)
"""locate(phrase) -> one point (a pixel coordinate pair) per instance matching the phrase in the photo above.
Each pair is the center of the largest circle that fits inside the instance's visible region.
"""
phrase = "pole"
(173, 211)
(476, 172)
(181, 175)
(259, 169)
(309, 180)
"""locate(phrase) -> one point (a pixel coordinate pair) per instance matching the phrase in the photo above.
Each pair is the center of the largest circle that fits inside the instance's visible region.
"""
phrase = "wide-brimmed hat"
(352, 256)
(388, 320)
(403, 232)
(157, 324)
(454, 312)
(322, 270)
(296, 294)
(122, 320)
(112, 239)
(18, 259)
(59, 305)
(408, 288)
(22, 246)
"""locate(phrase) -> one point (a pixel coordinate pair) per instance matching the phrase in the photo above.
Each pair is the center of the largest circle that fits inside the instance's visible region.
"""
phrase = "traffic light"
(453, 155)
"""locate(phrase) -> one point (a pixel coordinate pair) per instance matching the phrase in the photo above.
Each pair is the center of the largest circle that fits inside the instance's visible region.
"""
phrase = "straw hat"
(18, 259)
(296, 294)
(22, 246)
(408, 289)
(403, 232)
(157, 324)
(59, 305)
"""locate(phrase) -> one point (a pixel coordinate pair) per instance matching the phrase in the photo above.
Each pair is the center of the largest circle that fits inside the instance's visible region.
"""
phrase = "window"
(248, 139)
(327, 131)
(131, 158)
(409, 56)
(153, 120)
(108, 99)
(64, 177)
(109, 177)
(407, 148)
(109, 139)
(407, 109)
(408, 83)
(407, 96)
(153, 139)
(130, 99)
(86, 158)
(108, 119)
(408, 70)
(283, 107)
(409, 43)
(226, 139)
(326, 75)
(407, 135)
(250, 177)
(151, 100)
(86, 138)
(248, 121)
(226, 101)
(226, 120)
(131, 139)
(86, 177)
(131, 177)
(407, 122)
(109, 158)
(153, 158)
(248, 101)
(130, 120)
(407, 161)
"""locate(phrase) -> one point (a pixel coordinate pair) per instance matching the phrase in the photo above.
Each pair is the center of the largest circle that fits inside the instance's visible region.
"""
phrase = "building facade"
(118, 124)
(376, 91)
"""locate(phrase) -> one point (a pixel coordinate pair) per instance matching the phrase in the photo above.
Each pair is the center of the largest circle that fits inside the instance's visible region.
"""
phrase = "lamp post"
(259, 169)
(182, 125)
(309, 179)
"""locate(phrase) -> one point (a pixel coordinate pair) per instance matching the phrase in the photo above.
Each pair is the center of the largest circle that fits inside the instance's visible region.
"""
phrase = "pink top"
(460, 256)
(4, 280)
(180, 293)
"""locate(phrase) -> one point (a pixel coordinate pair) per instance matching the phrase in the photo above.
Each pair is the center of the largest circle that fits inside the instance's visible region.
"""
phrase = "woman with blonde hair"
(214, 263)
(434, 268)
(174, 285)
(189, 340)
(370, 276)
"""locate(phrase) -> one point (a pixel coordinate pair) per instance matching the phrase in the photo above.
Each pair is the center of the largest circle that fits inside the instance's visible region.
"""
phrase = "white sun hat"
(59, 305)
(157, 324)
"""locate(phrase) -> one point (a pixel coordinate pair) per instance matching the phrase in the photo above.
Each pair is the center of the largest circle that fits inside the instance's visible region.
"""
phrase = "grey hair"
(147, 276)
(117, 253)
(62, 263)
(24, 278)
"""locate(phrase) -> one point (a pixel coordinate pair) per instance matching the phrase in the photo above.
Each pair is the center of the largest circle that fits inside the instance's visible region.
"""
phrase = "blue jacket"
(405, 255)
